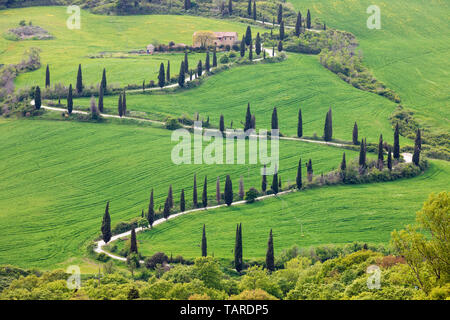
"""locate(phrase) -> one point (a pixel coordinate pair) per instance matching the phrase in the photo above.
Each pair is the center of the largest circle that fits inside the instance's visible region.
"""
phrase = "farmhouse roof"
(225, 34)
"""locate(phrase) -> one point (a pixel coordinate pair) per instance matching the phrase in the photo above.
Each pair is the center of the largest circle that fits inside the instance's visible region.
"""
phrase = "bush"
(172, 124)
(102, 257)
(157, 258)
(251, 195)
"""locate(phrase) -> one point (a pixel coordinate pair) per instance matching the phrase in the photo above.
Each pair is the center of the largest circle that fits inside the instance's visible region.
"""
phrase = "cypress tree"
(124, 103)
(194, 193)
(343, 163)
(106, 225)
(218, 190)
(298, 24)
(47, 77)
(274, 185)
(264, 180)
(228, 191)
(214, 58)
(308, 20)
(204, 244)
(249, 8)
(103, 83)
(238, 249)
(100, 99)
(258, 44)
(166, 212)
(254, 10)
(70, 100)
(418, 140)
(380, 153)
(298, 179)
(161, 76)
(362, 156)
(79, 80)
(328, 130)
(133, 242)
(207, 65)
(199, 68)
(309, 170)
(253, 122)
(264, 54)
(37, 98)
(186, 62)
(168, 73)
(250, 51)
(280, 46)
(273, 51)
(389, 160)
(205, 194)
(222, 123)
(280, 14)
(274, 119)
(355, 134)
(416, 155)
(279, 182)
(230, 7)
(181, 77)
(182, 201)
(142, 213)
(396, 143)
(241, 188)
(242, 47)
(282, 30)
(170, 196)
(248, 35)
(300, 124)
(119, 105)
(270, 260)
(151, 211)
(248, 118)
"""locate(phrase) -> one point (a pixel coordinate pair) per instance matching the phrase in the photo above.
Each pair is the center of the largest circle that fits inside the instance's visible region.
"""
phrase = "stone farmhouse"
(217, 39)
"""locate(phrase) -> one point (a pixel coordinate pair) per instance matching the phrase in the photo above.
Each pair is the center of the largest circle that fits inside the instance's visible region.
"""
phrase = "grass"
(116, 34)
(298, 82)
(330, 215)
(58, 175)
(410, 53)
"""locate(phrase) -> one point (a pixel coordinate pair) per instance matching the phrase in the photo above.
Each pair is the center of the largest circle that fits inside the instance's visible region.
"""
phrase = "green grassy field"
(102, 34)
(410, 53)
(58, 175)
(299, 81)
(331, 215)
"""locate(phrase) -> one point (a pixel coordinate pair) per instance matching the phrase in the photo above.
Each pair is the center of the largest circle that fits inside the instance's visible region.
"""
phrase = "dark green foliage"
(119, 105)
(362, 154)
(251, 195)
(124, 103)
(258, 44)
(151, 211)
(264, 180)
(47, 77)
(103, 84)
(418, 140)
(254, 10)
(242, 47)
(270, 259)
(308, 20)
(186, 62)
(249, 8)
(380, 153)
(274, 119)
(157, 258)
(280, 14)
(133, 242)
(328, 128)
(230, 7)
(279, 182)
(168, 73)
(205, 193)
(100, 99)
(389, 160)
(298, 179)
(161, 76)
(181, 77)
(355, 134)
(238, 263)
(248, 118)
(204, 243)
(106, 225)
(228, 191)
(37, 98)
(207, 64)
(214, 58)
(343, 163)
(187, 4)
(280, 46)
(170, 196)
(182, 201)
(396, 143)
(79, 80)
(222, 123)
(298, 24)
(250, 51)
(300, 124)
(416, 155)
(274, 185)
(309, 170)
(194, 193)
(199, 68)
(166, 211)
(248, 36)
(282, 30)
(70, 100)
(133, 294)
